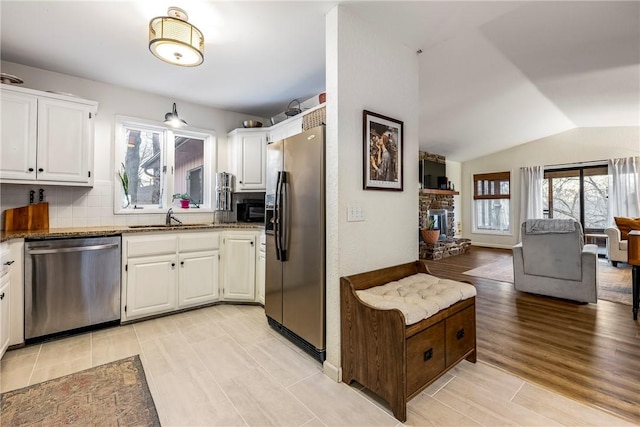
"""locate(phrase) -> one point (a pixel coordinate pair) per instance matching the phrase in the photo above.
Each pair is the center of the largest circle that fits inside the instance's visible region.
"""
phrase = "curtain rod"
(578, 164)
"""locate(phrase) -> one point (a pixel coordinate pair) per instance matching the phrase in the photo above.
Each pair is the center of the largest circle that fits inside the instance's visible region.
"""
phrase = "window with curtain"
(491, 202)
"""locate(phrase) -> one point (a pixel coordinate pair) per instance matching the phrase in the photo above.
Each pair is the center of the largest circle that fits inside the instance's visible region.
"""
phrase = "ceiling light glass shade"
(172, 119)
(173, 40)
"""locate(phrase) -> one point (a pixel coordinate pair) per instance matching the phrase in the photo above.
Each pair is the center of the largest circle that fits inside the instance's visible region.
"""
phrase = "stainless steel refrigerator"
(295, 239)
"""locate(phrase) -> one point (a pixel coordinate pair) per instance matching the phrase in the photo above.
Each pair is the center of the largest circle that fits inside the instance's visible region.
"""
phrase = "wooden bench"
(394, 360)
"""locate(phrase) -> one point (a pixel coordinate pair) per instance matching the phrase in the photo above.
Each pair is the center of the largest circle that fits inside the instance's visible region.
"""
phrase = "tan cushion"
(625, 225)
(419, 296)
(624, 245)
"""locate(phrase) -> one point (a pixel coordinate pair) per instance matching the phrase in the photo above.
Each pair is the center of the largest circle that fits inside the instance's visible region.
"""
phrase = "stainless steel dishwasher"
(71, 283)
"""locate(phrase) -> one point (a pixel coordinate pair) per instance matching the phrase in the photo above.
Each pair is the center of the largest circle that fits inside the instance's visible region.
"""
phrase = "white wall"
(573, 146)
(365, 72)
(78, 207)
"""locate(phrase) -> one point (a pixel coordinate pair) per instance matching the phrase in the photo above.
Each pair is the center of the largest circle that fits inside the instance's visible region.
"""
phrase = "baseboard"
(490, 245)
(332, 371)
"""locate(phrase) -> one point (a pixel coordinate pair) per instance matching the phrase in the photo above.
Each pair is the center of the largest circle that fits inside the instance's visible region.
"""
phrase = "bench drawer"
(425, 357)
(460, 334)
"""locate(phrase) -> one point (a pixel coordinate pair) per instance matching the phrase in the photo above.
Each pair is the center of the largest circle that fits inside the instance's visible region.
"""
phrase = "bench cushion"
(418, 297)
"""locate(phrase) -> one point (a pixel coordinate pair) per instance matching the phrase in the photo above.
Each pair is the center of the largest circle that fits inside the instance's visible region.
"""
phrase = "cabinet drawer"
(151, 245)
(425, 357)
(199, 242)
(460, 334)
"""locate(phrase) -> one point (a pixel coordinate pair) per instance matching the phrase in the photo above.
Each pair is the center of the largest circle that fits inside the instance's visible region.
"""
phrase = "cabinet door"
(198, 278)
(251, 157)
(239, 267)
(151, 285)
(260, 276)
(65, 141)
(5, 313)
(293, 128)
(18, 136)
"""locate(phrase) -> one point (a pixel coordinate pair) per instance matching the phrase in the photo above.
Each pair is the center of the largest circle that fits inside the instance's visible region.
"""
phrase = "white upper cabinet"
(247, 158)
(285, 129)
(19, 133)
(46, 138)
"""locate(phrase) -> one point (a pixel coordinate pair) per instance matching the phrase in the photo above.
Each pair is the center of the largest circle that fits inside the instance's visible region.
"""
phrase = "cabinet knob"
(240, 182)
(460, 334)
(181, 262)
(40, 170)
(173, 264)
(2, 296)
(251, 243)
(30, 169)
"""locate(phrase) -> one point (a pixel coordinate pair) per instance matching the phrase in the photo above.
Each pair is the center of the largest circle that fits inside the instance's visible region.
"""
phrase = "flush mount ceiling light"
(172, 119)
(173, 40)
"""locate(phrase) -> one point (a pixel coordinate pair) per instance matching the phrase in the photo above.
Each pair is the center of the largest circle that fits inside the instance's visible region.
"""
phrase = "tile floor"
(224, 366)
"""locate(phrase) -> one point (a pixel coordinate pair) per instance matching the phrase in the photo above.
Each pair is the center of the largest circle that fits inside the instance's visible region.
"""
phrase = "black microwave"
(250, 210)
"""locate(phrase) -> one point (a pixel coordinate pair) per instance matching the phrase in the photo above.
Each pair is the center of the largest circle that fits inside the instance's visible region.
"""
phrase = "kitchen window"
(156, 164)
(492, 202)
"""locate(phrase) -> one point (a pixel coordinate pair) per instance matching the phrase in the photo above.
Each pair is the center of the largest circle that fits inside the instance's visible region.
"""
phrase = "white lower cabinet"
(5, 312)
(198, 278)
(260, 276)
(239, 272)
(151, 285)
(164, 272)
(168, 271)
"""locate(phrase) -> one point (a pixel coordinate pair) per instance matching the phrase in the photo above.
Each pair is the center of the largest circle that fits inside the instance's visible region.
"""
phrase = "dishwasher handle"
(72, 249)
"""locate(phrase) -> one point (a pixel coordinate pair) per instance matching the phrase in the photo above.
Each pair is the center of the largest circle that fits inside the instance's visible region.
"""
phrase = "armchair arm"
(614, 235)
(518, 264)
(590, 264)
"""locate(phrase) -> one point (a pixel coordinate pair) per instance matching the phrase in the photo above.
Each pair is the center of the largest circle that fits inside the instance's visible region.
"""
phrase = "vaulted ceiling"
(492, 74)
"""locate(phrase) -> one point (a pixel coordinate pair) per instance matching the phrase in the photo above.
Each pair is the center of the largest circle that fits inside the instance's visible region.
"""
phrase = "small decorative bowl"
(252, 124)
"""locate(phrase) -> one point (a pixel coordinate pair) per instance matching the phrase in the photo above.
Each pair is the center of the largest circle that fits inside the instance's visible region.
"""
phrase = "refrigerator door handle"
(276, 216)
(284, 217)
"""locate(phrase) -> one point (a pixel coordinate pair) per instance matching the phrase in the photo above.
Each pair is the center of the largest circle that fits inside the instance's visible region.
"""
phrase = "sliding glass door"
(579, 193)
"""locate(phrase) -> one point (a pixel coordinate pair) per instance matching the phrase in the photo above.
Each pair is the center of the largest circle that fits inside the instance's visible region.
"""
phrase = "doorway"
(579, 193)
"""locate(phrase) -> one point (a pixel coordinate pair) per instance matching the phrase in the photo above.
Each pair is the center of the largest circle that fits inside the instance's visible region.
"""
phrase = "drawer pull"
(460, 334)
(9, 262)
(428, 354)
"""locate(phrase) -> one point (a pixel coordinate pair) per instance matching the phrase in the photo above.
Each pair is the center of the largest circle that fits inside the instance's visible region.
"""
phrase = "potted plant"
(185, 200)
(430, 234)
(124, 180)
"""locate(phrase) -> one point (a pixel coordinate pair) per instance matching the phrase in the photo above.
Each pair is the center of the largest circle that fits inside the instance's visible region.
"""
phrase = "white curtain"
(531, 179)
(624, 188)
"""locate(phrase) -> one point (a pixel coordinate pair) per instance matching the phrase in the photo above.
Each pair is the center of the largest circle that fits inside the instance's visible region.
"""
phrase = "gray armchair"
(553, 260)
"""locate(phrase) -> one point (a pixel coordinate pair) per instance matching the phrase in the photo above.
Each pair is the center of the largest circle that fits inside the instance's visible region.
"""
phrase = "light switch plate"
(355, 213)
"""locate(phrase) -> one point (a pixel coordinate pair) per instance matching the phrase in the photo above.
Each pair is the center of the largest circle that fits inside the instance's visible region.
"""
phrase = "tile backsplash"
(85, 206)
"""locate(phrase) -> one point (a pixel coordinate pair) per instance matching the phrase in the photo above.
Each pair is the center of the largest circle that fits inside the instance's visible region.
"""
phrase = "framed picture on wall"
(383, 152)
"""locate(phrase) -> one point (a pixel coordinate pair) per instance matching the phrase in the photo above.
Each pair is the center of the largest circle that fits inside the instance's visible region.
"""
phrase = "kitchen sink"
(169, 226)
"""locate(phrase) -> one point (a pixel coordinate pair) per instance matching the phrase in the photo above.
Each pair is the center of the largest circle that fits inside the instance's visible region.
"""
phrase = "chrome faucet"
(170, 217)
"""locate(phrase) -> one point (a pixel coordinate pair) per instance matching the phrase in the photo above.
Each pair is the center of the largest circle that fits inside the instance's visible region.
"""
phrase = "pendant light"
(174, 40)
(172, 119)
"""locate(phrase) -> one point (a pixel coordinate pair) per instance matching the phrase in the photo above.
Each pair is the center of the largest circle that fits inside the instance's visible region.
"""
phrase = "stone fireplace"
(439, 206)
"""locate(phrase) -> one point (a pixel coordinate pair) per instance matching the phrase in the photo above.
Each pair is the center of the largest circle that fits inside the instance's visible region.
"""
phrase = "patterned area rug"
(614, 283)
(113, 394)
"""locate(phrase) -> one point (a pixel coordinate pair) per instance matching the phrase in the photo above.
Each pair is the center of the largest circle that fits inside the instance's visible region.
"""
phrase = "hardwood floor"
(588, 352)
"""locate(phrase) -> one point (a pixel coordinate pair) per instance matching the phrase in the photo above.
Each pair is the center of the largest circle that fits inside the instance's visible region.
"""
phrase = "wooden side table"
(634, 260)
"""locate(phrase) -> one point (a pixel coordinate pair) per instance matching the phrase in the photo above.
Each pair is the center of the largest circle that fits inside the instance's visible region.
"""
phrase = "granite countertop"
(120, 229)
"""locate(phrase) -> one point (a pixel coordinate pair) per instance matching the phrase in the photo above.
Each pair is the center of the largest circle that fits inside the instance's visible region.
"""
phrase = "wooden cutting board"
(28, 218)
